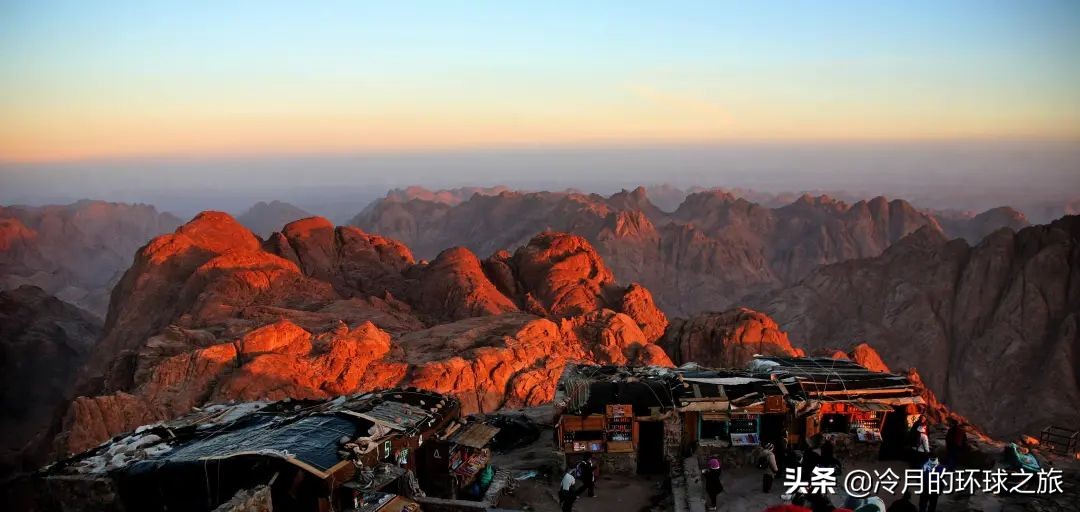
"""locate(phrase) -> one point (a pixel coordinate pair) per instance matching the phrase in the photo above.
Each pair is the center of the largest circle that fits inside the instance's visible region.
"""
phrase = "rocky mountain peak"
(218, 232)
(207, 314)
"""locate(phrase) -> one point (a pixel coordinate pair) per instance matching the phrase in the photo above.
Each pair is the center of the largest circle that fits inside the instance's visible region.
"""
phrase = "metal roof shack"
(837, 397)
(299, 454)
(614, 409)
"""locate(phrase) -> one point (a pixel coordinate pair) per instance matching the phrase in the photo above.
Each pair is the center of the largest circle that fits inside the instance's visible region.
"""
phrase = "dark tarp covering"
(312, 440)
(204, 472)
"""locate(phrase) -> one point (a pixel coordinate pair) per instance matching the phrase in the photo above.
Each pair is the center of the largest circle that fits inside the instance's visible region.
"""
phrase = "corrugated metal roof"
(475, 435)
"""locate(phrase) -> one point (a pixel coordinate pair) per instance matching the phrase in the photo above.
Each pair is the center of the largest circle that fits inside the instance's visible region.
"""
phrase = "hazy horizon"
(971, 175)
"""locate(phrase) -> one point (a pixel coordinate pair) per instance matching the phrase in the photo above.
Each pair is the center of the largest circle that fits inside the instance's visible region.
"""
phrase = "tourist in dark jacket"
(586, 470)
(828, 458)
(955, 443)
(928, 500)
(811, 457)
(713, 485)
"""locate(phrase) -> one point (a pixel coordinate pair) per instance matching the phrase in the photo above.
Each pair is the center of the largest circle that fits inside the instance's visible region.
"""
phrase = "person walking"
(767, 463)
(713, 485)
(567, 496)
(586, 472)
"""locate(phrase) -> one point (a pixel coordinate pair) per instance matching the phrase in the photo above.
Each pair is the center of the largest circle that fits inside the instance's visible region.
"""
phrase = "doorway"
(894, 435)
(773, 429)
(651, 448)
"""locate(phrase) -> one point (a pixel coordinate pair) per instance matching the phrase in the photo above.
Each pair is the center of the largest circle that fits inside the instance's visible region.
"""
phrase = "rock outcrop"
(454, 286)
(43, 342)
(713, 249)
(726, 340)
(264, 218)
(210, 313)
(75, 251)
(974, 227)
(999, 319)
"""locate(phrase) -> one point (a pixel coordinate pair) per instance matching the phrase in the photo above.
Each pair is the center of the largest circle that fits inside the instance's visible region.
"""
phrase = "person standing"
(567, 496)
(828, 458)
(955, 443)
(783, 456)
(928, 500)
(767, 463)
(811, 456)
(922, 447)
(586, 472)
(713, 485)
(915, 460)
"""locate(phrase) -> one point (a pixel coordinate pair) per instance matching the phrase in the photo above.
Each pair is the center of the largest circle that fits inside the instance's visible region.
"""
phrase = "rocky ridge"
(713, 249)
(211, 313)
(997, 319)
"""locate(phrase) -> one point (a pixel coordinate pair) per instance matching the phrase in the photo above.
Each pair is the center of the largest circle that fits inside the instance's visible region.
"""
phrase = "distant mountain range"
(78, 251)
(712, 250)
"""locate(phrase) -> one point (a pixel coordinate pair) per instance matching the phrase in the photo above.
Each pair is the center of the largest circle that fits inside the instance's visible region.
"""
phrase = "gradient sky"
(91, 80)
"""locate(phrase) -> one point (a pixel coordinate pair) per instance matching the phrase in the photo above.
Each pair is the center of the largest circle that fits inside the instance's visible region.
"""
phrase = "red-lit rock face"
(564, 273)
(726, 340)
(454, 286)
(208, 314)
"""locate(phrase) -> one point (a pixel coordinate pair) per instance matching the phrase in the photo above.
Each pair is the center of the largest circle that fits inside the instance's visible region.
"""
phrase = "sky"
(100, 81)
